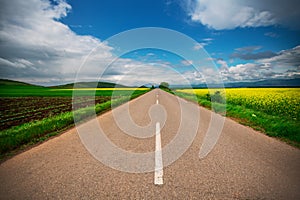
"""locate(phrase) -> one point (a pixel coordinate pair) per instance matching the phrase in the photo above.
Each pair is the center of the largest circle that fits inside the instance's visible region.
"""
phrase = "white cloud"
(271, 34)
(285, 64)
(35, 45)
(150, 54)
(205, 42)
(285, 58)
(208, 39)
(187, 62)
(248, 48)
(247, 72)
(193, 77)
(37, 48)
(130, 72)
(223, 64)
(198, 46)
(230, 14)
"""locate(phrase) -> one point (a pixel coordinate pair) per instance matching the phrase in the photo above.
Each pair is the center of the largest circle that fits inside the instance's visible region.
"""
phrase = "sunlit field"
(275, 101)
(275, 111)
(29, 114)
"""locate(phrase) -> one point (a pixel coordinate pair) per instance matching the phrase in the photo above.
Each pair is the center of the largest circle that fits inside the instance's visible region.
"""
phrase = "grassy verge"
(27, 134)
(280, 127)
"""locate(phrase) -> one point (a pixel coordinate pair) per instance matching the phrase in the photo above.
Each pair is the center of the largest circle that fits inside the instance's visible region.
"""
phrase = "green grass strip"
(35, 131)
(280, 127)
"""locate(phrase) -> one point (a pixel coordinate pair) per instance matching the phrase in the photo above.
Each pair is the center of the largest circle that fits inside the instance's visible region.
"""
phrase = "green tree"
(164, 85)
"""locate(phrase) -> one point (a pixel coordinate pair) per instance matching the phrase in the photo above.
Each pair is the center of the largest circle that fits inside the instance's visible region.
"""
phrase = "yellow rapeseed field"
(275, 101)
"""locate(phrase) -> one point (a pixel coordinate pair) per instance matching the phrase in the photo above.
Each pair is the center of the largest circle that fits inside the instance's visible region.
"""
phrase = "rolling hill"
(6, 82)
(257, 84)
(12, 83)
(89, 85)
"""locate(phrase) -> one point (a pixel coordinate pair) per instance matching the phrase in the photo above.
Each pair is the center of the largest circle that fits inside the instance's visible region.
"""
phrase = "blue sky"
(46, 42)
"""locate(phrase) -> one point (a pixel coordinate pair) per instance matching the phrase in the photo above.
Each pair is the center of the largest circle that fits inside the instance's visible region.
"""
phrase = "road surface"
(244, 164)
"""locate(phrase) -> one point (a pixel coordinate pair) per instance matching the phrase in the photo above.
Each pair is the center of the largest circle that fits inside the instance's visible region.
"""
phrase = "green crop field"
(275, 111)
(29, 114)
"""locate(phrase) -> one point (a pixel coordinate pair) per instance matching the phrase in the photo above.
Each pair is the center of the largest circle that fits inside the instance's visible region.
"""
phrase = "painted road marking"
(158, 175)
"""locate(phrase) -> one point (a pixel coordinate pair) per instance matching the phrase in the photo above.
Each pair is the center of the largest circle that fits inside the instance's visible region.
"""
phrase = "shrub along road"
(244, 164)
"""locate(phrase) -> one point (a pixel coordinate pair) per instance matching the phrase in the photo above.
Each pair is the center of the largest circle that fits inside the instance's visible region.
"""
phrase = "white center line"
(158, 175)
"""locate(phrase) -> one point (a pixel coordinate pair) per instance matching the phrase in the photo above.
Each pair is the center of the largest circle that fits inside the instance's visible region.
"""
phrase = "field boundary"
(38, 137)
(272, 126)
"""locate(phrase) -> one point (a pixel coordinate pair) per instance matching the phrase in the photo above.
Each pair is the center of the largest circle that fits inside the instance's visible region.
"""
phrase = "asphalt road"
(244, 164)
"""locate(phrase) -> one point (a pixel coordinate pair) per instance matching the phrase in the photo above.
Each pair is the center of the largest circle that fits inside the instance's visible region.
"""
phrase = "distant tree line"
(164, 85)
